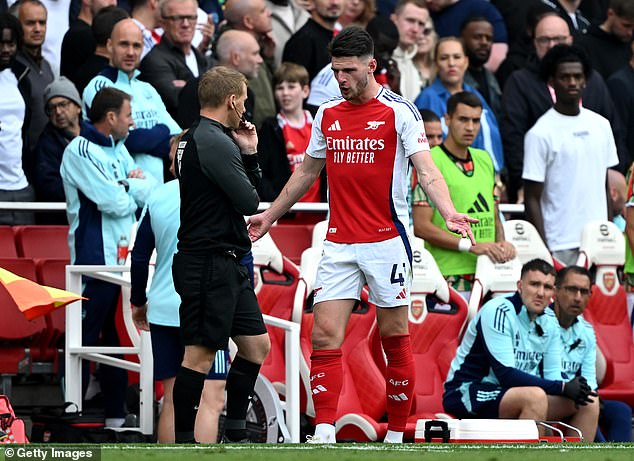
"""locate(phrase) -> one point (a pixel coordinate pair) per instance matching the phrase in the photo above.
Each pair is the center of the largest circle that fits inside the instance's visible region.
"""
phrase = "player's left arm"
(434, 185)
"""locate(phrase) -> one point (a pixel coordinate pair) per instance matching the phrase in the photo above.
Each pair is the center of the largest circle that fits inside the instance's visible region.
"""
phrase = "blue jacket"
(99, 208)
(435, 98)
(148, 142)
(158, 228)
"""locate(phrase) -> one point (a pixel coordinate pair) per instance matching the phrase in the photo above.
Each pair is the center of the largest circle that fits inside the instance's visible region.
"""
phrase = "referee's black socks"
(240, 383)
(188, 388)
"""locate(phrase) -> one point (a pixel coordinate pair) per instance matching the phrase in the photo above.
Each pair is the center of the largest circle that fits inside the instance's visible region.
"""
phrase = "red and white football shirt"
(366, 148)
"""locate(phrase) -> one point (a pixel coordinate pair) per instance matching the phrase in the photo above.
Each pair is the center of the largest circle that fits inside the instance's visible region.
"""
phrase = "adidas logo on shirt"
(479, 205)
(335, 126)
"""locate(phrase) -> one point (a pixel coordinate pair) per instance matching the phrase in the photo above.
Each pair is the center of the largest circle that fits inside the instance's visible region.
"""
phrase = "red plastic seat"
(7, 243)
(42, 241)
(275, 297)
(292, 239)
(52, 273)
(16, 332)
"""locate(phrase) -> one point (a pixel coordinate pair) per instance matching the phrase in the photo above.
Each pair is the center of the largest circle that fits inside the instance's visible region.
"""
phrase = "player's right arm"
(297, 185)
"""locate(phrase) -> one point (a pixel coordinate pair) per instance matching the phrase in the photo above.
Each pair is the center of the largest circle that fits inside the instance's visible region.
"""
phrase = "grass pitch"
(366, 452)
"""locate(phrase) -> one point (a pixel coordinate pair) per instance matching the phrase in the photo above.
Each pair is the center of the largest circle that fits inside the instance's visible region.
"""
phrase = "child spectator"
(283, 139)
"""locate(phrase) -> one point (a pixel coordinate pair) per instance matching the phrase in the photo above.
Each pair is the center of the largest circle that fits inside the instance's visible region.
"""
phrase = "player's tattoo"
(430, 182)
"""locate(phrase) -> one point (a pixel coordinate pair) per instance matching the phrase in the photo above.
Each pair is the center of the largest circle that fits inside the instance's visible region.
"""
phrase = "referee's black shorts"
(217, 300)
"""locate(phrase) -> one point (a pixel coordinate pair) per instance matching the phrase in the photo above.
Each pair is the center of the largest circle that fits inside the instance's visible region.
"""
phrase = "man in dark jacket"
(526, 97)
(174, 61)
(63, 106)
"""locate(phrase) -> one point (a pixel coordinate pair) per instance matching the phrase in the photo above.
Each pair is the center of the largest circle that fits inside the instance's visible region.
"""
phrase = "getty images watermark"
(52, 453)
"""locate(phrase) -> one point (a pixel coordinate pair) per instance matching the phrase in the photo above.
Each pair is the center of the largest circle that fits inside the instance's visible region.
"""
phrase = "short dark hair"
(8, 21)
(560, 54)
(462, 97)
(106, 100)
(428, 116)
(561, 275)
(352, 41)
(400, 4)
(471, 19)
(622, 8)
(104, 21)
(538, 265)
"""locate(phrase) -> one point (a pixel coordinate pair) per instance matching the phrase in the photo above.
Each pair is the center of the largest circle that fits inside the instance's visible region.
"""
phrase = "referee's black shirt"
(217, 186)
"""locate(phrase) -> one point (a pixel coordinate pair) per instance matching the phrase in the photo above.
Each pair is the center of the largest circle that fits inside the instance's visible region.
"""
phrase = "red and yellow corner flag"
(33, 299)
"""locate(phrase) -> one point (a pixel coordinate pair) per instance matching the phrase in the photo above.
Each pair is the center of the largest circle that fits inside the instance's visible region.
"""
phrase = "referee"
(217, 168)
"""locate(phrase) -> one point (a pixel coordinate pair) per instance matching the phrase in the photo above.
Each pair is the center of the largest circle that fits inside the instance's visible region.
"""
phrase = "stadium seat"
(603, 249)
(276, 283)
(7, 243)
(496, 279)
(437, 318)
(42, 241)
(52, 273)
(292, 239)
(22, 342)
(528, 243)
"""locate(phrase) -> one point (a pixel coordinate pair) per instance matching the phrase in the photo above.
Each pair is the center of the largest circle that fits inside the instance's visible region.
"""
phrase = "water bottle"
(122, 249)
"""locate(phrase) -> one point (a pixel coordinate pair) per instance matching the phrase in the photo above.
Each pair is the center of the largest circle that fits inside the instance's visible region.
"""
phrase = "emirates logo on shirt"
(354, 150)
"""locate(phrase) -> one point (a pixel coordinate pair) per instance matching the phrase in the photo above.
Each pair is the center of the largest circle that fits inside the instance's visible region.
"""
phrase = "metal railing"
(75, 352)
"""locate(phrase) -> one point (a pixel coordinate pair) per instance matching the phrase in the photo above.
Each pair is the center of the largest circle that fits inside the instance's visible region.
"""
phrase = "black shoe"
(226, 439)
(3, 435)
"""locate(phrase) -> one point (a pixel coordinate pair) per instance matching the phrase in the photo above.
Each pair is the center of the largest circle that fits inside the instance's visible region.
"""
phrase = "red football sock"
(326, 379)
(400, 377)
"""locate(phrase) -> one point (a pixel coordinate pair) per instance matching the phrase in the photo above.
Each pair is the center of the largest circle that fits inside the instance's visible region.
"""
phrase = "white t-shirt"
(324, 87)
(570, 156)
(12, 109)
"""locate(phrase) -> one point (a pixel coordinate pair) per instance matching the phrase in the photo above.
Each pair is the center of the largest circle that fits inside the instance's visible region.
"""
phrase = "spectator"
(573, 286)
(477, 35)
(283, 139)
(621, 86)
(569, 11)
(308, 46)
(424, 57)
(357, 12)
(63, 106)
(174, 61)
(254, 17)
(32, 15)
(236, 50)
(79, 42)
(287, 17)
(158, 311)
(617, 194)
(411, 18)
(147, 15)
(104, 188)
(572, 141)
(448, 15)
(452, 63)
(507, 347)
(15, 156)
(607, 44)
(470, 176)
(148, 141)
(526, 97)
(628, 269)
(102, 26)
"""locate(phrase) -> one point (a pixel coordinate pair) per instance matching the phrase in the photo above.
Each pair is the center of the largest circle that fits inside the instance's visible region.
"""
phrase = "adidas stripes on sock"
(399, 379)
(326, 380)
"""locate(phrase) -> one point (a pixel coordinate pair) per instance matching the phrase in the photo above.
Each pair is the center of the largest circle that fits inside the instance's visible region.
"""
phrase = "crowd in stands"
(525, 101)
